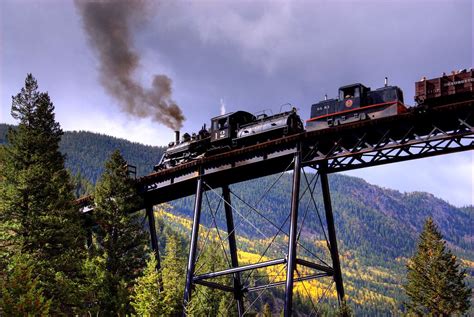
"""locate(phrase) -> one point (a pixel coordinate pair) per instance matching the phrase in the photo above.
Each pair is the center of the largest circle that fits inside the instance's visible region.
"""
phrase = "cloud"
(144, 131)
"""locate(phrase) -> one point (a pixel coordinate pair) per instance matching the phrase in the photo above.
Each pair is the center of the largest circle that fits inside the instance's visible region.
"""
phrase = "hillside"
(376, 228)
(86, 152)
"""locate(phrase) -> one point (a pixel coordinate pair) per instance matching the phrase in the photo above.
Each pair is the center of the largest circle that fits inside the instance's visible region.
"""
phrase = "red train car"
(456, 86)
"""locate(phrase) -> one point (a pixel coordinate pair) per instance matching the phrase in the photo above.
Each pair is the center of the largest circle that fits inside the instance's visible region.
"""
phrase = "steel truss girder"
(233, 249)
(362, 150)
(250, 267)
(291, 265)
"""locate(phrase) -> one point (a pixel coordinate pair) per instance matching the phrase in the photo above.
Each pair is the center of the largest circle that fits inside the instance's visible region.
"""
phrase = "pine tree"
(146, 298)
(435, 284)
(81, 186)
(94, 280)
(37, 215)
(173, 272)
(205, 300)
(20, 293)
(121, 238)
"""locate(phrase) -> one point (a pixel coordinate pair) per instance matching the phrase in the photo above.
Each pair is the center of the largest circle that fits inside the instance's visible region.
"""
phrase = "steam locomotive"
(356, 102)
(231, 130)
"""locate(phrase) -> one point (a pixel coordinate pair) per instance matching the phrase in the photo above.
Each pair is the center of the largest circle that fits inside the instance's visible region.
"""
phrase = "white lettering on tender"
(453, 83)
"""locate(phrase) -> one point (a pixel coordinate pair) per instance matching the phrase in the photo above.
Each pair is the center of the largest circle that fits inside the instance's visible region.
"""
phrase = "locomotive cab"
(353, 96)
(224, 127)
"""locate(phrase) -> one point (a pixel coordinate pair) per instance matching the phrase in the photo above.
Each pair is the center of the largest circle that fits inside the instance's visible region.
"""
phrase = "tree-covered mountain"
(86, 152)
(377, 228)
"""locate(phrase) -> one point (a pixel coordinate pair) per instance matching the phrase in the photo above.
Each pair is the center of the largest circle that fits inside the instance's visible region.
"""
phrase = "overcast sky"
(249, 55)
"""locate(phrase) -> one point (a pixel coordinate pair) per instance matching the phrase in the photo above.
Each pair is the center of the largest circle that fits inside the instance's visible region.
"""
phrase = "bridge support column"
(193, 245)
(291, 264)
(154, 239)
(233, 249)
(331, 232)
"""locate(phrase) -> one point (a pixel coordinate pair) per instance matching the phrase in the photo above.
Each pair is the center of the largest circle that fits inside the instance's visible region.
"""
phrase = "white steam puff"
(222, 106)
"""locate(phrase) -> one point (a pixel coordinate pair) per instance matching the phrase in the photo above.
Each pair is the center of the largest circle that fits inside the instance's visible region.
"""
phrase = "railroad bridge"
(445, 129)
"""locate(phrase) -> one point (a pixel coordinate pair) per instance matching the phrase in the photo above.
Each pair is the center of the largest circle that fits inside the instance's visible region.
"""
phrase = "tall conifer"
(121, 238)
(20, 293)
(37, 216)
(146, 298)
(436, 285)
(173, 272)
(205, 301)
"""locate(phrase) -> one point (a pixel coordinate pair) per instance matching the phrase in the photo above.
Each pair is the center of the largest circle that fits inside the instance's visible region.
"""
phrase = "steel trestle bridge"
(416, 134)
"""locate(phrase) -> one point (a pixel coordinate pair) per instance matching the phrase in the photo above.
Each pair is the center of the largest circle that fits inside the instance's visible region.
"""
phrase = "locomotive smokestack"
(326, 97)
(386, 81)
(177, 137)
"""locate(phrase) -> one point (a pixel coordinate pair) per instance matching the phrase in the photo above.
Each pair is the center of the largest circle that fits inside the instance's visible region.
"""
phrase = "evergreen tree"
(435, 284)
(121, 238)
(146, 298)
(81, 186)
(205, 300)
(173, 272)
(20, 293)
(37, 215)
(94, 280)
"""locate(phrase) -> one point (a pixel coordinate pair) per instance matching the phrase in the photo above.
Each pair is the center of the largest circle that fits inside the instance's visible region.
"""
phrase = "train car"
(457, 86)
(356, 102)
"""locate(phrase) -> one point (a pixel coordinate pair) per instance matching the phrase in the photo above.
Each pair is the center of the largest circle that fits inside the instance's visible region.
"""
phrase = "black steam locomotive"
(231, 130)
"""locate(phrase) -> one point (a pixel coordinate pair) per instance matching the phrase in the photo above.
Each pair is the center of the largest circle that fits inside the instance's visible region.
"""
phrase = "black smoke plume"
(109, 25)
